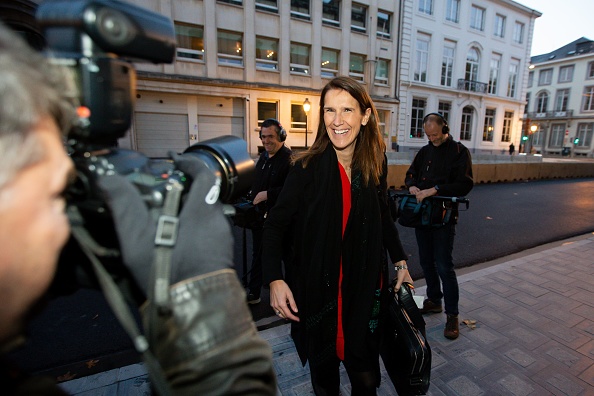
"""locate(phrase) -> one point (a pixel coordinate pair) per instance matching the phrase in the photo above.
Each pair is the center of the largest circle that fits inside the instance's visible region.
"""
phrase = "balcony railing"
(472, 86)
(555, 114)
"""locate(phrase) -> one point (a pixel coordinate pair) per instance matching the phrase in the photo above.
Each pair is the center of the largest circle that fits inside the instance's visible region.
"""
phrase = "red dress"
(346, 209)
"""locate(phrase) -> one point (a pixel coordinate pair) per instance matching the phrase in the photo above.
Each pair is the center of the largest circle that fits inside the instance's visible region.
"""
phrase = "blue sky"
(561, 23)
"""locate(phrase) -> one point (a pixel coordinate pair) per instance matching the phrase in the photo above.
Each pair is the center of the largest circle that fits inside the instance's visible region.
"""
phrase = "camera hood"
(114, 26)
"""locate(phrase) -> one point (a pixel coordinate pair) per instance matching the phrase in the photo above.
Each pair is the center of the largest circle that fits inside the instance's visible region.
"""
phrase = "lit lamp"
(306, 107)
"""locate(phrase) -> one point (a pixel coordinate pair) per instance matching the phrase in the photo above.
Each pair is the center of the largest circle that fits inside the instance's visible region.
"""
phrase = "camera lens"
(226, 157)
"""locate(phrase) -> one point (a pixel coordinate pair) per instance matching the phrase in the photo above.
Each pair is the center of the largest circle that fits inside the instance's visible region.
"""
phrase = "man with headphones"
(272, 169)
(443, 167)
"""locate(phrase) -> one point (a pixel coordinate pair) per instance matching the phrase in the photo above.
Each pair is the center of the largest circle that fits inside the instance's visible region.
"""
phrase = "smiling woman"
(334, 207)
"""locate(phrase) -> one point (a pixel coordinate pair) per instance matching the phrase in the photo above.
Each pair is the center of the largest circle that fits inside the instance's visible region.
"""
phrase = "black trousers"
(325, 379)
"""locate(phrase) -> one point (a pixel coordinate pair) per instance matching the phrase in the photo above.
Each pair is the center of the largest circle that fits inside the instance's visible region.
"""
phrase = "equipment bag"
(405, 350)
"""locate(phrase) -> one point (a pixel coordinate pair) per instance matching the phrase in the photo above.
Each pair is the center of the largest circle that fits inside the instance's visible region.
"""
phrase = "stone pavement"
(534, 334)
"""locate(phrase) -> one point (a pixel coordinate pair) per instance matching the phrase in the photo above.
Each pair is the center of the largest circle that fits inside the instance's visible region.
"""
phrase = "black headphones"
(282, 134)
(445, 129)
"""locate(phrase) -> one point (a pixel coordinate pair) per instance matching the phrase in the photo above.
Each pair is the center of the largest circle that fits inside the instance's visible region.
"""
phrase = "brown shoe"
(431, 307)
(451, 330)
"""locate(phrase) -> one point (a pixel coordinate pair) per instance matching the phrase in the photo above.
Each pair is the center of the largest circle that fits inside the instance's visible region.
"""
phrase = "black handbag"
(405, 350)
(247, 215)
(432, 212)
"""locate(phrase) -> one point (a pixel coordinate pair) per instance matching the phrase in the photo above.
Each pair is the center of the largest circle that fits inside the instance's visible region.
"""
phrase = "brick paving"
(534, 334)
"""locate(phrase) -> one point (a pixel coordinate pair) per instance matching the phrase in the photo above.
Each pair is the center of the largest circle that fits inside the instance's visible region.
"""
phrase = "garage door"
(157, 134)
(214, 126)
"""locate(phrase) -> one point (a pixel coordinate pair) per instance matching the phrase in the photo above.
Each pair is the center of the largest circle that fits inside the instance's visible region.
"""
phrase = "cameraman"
(207, 344)
(272, 169)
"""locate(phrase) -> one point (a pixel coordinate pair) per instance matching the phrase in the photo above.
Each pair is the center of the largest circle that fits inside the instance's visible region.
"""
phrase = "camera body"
(97, 40)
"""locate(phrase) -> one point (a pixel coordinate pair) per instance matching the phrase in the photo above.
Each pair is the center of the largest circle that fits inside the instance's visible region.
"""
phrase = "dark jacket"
(311, 206)
(208, 346)
(449, 166)
(270, 176)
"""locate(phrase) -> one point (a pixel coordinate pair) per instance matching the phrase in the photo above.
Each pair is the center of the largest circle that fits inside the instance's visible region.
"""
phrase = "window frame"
(382, 80)
(545, 77)
(385, 26)
(499, 26)
(228, 59)
(421, 66)
(447, 64)
(262, 5)
(561, 99)
(417, 114)
(357, 75)
(297, 7)
(494, 71)
(296, 67)
(588, 101)
(329, 72)
(354, 27)
(425, 7)
(512, 78)
(477, 18)
(331, 13)
(453, 7)
(267, 64)
(196, 55)
(566, 73)
(508, 118)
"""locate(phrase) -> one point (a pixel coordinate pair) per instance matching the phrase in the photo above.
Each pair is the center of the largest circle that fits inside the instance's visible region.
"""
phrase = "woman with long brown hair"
(333, 212)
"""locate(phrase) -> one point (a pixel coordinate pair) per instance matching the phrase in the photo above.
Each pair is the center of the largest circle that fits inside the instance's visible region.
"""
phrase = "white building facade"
(242, 61)
(468, 60)
(559, 117)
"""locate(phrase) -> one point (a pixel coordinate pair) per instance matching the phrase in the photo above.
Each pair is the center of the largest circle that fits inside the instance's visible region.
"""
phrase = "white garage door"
(214, 126)
(157, 134)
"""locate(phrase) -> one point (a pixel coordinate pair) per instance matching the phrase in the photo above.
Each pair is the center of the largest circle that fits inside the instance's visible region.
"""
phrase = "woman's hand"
(402, 274)
(281, 300)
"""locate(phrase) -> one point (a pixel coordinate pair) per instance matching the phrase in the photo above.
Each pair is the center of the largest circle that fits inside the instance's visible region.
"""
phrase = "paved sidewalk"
(534, 334)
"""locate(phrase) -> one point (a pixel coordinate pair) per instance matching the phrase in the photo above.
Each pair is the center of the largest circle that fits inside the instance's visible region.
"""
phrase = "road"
(502, 219)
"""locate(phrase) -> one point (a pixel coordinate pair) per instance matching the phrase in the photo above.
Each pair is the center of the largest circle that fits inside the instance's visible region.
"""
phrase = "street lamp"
(306, 107)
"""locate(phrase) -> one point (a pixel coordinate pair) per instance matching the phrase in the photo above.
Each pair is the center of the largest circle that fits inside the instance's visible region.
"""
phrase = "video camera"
(96, 40)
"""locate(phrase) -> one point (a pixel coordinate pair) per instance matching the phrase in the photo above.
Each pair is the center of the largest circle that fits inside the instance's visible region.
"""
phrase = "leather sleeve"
(209, 344)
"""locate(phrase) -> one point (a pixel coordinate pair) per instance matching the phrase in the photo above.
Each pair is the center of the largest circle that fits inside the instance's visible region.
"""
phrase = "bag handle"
(406, 299)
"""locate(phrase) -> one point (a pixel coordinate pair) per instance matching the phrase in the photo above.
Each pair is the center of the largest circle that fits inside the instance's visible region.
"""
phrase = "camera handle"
(165, 239)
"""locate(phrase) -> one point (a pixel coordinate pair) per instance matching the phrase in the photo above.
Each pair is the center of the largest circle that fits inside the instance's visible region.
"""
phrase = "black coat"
(310, 206)
(270, 176)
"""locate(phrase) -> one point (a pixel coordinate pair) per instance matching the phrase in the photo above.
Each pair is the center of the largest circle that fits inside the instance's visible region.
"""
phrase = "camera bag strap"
(116, 300)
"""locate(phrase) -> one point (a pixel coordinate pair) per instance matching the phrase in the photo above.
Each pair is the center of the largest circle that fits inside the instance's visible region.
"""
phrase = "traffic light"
(524, 138)
(576, 140)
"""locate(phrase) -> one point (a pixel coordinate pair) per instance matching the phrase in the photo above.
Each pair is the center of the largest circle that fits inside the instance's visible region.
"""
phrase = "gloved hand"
(204, 240)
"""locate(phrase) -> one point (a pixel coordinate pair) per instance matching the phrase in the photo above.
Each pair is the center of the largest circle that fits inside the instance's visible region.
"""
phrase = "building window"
(489, 126)
(381, 122)
(444, 109)
(588, 104)
(527, 105)
(267, 110)
(584, 134)
(561, 99)
(416, 120)
(266, 53)
(590, 70)
(453, 11)
(477, 18)
(512, 79)
(422, 58)
(384, 23)
(298, 117)
(447, 64)
(300, 59)
(499, 28)
(357, 67)
(358, 18)
(331, 12)
(230, 48)
(267, 5)
(545, 77)
(329, 63)
(426, 7)
(472, 65)
(494, 74)
(566, 73)
(466, 124)
(519, 33)
(537, 138)
(300, 9)
(190, 41)
(542, 102)
(530, 78)
(382, 72)
(557, 134)
(234, 2)
(507, 126)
